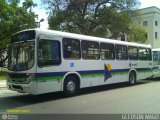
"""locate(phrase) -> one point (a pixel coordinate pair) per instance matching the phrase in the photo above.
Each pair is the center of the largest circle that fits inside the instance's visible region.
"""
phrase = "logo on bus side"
(107, 71)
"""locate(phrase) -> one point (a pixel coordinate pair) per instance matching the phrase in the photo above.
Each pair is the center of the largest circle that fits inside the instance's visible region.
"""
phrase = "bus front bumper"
(23, 88)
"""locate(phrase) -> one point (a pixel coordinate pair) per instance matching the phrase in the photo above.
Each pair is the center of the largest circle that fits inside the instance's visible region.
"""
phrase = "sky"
(42, 12)
(148, 3)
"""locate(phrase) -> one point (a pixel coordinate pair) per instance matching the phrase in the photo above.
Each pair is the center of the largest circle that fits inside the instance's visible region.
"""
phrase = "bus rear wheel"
(132, 78)
(71, 86)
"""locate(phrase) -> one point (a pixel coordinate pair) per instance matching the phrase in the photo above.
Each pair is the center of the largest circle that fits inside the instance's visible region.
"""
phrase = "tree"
(91, 17)
(136, 33)
(28, 4)
(12, 19)
(14, 2)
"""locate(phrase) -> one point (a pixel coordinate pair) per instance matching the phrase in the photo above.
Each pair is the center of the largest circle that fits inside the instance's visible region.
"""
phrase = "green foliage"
(91, 17)
(13, 19)
(136, 33)
(3, 75)
(28, 4)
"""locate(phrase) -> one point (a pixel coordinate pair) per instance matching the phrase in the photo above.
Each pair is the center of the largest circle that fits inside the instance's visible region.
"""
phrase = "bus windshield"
(21, 56)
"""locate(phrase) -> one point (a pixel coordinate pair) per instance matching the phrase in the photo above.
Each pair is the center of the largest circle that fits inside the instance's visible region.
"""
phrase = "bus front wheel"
(71, 86)
(132, 78)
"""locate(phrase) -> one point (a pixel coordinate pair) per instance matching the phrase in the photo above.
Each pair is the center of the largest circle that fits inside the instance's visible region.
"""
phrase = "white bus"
(43, 61)
(156, 62)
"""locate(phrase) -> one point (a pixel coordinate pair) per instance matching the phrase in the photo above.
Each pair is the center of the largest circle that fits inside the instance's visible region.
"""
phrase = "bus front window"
(21, 56)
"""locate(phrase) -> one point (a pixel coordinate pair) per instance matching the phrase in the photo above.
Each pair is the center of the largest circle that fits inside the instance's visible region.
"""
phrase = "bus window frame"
(54, 63)
(136, 53)
(149, 56)
(116, 53)
(113, 51)
(139, 54)
(97, 57)
(71, 58)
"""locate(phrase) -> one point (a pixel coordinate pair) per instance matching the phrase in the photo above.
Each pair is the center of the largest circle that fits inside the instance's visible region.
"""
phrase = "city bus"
(43, 61)
(156, 62)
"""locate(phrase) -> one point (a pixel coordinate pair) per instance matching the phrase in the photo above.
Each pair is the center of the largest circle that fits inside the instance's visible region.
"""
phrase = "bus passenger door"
(49, 59)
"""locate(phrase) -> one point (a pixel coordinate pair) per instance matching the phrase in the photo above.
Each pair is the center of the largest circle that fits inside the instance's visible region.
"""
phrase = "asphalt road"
(111, 99)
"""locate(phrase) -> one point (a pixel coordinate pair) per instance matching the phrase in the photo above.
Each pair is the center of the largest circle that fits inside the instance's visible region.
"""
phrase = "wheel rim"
(132, 79)
(71, 86)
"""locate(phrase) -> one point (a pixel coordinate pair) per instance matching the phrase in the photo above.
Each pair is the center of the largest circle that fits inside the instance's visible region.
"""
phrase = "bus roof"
(85, 37)
(156, 49)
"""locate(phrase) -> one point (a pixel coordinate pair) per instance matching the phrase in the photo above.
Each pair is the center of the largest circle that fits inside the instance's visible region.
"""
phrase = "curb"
(3, 84)
(3, 88)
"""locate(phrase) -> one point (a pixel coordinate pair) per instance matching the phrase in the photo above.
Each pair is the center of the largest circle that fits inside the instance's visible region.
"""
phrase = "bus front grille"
(17, 78)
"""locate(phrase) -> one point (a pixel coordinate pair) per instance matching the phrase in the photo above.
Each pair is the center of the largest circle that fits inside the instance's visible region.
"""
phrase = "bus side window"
(90, 50)
(49, 53)
(149, 54)
(121, 52)
(142, 54)
(71, 48)
(107, 51)
(132, 53)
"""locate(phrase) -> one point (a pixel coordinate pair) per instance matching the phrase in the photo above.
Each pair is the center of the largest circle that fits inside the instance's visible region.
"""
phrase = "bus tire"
(70, 86)
(132, 78)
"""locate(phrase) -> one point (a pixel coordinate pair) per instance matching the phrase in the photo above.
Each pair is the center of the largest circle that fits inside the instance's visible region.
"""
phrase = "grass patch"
(3, 75)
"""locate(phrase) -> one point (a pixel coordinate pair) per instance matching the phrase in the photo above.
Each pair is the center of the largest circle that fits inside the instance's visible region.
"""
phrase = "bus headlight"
(30, 77)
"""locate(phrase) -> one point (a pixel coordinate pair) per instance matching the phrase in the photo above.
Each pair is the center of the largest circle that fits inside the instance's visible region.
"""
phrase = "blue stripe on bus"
(91, 71)
(51, 74)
